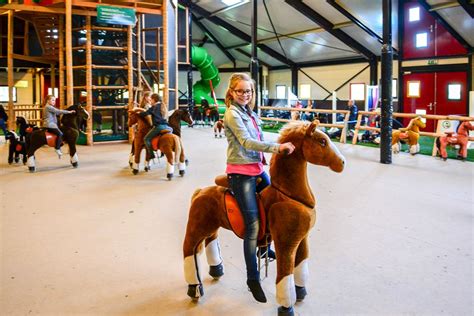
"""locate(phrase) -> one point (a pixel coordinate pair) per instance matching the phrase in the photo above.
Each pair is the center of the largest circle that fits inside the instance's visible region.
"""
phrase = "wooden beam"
(11, 115)
(61, 62)
(42, 9)
(40, 60)
(130, 66)
(68, 57)
(89, 109)
(95, 4)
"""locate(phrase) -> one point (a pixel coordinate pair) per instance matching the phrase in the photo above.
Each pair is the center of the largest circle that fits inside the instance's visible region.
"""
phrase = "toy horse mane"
(288, 172)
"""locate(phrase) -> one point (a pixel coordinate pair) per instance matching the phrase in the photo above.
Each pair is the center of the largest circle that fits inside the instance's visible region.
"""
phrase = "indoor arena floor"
(389, 239)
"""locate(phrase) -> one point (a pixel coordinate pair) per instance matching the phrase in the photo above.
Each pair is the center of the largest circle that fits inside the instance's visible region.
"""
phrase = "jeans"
(3, 126)
(244, 188)
(152, 133)
(58, 133)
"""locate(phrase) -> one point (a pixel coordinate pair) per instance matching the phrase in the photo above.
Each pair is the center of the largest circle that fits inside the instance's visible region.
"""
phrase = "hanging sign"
(116, 15)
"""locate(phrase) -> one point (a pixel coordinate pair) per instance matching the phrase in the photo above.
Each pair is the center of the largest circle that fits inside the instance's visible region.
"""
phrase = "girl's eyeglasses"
(241, 92)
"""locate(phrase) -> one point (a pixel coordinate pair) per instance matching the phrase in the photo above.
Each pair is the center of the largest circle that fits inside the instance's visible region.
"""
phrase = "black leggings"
(58, 133)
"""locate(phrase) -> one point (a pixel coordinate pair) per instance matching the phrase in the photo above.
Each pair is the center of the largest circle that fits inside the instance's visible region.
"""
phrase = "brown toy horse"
(167, 143)
(175, 120)
(409, 134)
(68, 126)
(461, 138)
(290, 213)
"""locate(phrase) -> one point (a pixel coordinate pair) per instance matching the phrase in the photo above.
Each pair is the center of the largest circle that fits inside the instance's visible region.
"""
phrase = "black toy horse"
(16, 148)
(68, 126)
(24, 127)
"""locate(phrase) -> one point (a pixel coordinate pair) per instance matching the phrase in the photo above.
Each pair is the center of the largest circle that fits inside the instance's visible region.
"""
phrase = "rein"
(290, 197)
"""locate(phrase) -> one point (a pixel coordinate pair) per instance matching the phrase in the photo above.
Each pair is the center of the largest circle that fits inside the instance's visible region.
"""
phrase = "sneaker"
(262, 252)
(59, 152)
(257, 291)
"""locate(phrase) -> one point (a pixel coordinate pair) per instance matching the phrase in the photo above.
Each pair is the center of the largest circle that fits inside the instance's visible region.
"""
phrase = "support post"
(11, 113)
(89, 137)
(69, 70)
(387, 105)
(61, 62)
(254, 60)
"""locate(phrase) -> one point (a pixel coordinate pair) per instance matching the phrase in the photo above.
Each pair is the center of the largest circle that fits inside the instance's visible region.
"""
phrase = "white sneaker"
(59, 152)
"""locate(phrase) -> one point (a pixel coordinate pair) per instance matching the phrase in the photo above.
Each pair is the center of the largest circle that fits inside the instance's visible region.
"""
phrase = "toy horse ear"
(312, 127)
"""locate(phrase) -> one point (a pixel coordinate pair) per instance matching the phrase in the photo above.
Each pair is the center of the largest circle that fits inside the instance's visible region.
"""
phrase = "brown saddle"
(50, 138)
(234, 215)
(156, 140)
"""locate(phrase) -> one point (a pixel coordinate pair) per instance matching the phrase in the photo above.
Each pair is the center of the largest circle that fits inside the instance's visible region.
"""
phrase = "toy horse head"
(21, 121)
(12, 136)
(312, 145)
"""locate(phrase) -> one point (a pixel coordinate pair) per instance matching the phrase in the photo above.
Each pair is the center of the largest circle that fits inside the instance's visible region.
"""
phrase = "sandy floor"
(97, 240)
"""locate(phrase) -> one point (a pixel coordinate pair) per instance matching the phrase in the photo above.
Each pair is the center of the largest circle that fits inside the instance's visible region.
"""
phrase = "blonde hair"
(47, 98)
(143, 102)
(233, 81)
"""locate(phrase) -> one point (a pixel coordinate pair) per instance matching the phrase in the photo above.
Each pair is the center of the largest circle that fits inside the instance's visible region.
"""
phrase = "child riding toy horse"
(410, 134)
(461, 138)
(289, 206)
(38, 138)
(169, 144)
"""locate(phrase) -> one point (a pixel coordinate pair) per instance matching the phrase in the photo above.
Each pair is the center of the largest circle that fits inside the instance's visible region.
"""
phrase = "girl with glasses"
(245, 162)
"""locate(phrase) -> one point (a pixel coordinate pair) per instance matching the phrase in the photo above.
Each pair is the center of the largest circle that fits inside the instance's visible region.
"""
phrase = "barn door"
(420, 96)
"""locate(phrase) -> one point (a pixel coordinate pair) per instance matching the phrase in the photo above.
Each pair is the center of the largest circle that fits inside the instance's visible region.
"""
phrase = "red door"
(419, 96)
(424, 25)
(441, 93)
(451, 93)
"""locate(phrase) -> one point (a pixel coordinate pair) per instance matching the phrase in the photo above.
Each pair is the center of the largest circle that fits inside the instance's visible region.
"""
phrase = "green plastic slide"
(205, 64)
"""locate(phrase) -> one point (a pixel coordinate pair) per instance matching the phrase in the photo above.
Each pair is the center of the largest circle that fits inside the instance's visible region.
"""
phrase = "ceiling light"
(231, 2)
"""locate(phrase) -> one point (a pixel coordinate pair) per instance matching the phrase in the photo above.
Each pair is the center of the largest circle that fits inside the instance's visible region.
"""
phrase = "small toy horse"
(410, 134)
(40, 137)
(175, 120)
(219, 128)
(169, 144)
(16, 148)
(24, 127)
(461, 138)
(290, 212)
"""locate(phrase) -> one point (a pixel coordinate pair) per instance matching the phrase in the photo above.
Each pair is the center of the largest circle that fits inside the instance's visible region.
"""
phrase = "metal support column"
(294, 80)
(254, 61)
(387, 105)
(373, 72)
(190, 70)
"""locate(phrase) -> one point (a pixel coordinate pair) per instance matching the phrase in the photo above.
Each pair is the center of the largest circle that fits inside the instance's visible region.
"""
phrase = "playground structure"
(91, 61)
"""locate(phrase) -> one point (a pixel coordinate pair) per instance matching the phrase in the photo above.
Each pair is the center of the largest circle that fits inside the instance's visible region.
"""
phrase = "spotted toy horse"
(167, 143)
(410, 134)
(24, 127)
(290, 214)
(461, 138)
(38, 138)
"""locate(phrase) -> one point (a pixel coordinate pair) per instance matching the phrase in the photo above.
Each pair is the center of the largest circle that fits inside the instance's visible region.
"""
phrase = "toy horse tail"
(438, 144)
(177, 149)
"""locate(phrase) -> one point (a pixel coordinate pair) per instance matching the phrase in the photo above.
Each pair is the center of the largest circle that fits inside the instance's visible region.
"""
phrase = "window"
(50, 92)
(357, 91)
(394, 88)
(305, 91)
(413, 90)
(414, 14)
(4, 94)
(421, 112)
(454, 91)
(421, 40)
(280, 92)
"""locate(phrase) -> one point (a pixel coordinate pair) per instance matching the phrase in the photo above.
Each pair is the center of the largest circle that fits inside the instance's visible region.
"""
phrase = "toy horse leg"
(443, 142)
(169, 161)
(213, 255)
(31, 156)
(462, 153)
(413, 142)
(395, 142)
(182, 160)
(73, 154)
(301, 269)
(131, 156)
(296, 222)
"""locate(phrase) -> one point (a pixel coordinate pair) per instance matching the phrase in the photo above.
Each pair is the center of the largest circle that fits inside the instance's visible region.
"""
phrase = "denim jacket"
(242, 138)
